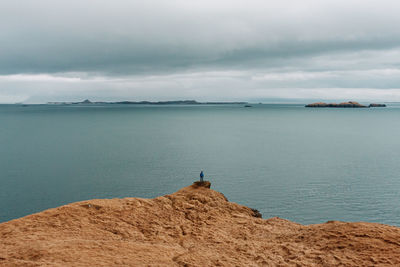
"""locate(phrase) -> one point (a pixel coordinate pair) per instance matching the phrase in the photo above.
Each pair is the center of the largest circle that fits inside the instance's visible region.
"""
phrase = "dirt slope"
(195, 226)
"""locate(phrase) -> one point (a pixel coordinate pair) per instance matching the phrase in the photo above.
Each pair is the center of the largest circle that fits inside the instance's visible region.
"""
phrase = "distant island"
(174, 102)
(349, 104)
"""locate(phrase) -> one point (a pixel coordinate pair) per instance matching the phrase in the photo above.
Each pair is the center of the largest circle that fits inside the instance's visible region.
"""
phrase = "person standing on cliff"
(201, 176)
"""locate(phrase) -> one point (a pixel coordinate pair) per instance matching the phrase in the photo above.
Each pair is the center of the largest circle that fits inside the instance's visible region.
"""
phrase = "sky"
(261, 51)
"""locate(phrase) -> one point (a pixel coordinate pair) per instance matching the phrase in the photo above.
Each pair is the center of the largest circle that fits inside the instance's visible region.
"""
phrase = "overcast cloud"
(205, 50)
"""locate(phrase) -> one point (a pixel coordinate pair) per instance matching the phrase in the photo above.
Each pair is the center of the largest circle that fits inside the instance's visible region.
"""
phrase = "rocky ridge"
(195, 226)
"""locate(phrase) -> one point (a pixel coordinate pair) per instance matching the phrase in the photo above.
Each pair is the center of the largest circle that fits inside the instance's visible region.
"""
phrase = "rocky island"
(377, 105)
(196, 226)
(173, 102)
(349, 104)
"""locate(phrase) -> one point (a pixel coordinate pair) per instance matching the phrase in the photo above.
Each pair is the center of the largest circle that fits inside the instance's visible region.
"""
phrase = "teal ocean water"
(305, 165)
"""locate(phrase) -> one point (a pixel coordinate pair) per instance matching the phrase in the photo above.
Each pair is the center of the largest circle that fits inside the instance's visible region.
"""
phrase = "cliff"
(196, 226)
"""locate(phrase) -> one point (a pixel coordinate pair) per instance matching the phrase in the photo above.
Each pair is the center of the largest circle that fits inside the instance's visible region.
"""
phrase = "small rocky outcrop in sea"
(349, 104)
(373, 105)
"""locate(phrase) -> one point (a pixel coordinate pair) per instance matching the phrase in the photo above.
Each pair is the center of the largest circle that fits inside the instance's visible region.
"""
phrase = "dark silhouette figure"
(201, 176)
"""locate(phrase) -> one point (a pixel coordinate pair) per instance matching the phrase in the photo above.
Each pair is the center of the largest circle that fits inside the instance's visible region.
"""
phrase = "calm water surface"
(305, 165)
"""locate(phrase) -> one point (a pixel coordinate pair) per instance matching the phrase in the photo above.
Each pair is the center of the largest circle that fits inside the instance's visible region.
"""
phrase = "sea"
(307, 165)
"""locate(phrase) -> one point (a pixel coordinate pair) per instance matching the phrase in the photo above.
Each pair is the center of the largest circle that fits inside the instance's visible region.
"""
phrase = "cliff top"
(195, 226)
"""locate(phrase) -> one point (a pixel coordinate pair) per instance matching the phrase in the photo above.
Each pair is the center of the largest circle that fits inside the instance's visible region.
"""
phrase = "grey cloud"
(132, 37)
(53, 49)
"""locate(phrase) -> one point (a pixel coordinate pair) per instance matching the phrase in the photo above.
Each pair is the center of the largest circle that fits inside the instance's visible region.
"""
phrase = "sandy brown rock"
(195, 226)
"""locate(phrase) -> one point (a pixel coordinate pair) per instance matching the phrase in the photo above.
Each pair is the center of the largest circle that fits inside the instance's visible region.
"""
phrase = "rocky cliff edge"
(196, 226)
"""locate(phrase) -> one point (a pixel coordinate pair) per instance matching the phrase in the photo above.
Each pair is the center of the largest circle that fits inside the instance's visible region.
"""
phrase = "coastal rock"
(196, 226)
(205, 184)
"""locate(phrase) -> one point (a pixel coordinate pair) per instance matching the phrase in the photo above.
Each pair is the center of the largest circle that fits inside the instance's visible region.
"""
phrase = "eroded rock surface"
(196, 226)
